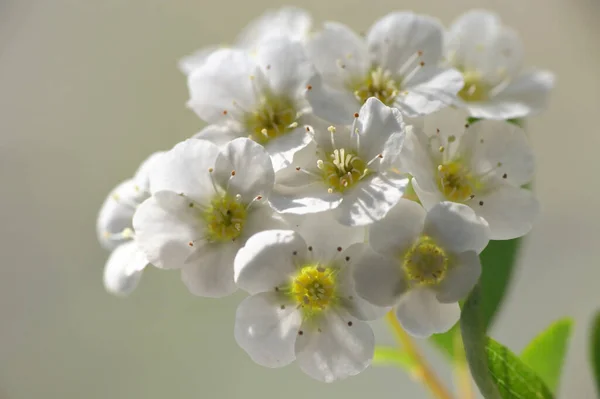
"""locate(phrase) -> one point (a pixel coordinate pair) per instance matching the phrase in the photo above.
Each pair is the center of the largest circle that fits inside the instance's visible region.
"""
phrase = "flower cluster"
(340, 176)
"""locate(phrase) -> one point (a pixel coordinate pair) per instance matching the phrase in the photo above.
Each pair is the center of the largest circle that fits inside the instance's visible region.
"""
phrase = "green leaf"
(545, 353)
(595, 344)
(385, 356)
(497, 261)
(498, 372)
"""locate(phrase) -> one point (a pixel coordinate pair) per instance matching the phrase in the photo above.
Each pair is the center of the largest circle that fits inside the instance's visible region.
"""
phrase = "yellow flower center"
(475, 89)
(342, 169)
(314, 289)
(456, 181)
(425, 263)
(275, 116)
(378, 83)
(225, 218)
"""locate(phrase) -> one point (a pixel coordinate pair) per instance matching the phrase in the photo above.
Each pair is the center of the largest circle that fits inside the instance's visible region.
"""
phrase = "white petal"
(524, 96)
(421, 315)
(123, 269)
(305, 158)
(342, 348)
(376, 123)
(311, 198)
(185, 169)
(460, 278)
(265, 330)
(253, 175)
(285, 66)
(428, 198)
(336, 105)
(261, 217)
(283, 148)
(190, 63)
(220, 134)
(290, 22)
(431, 89)
(165, 225)
(416, 158)
(209, 271)
(225, 78)
(510, 211)
(503, 56)
(504, 143)
(398, 36)
(457, 228)
(339, 54)
(469, 36)
(142, 175)
(267, 260)
(116, 213)
(379, 279)
(349, 298)
(371, 200)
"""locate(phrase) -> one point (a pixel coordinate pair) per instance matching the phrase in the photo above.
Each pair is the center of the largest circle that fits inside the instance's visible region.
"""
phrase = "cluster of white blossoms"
(340, 176)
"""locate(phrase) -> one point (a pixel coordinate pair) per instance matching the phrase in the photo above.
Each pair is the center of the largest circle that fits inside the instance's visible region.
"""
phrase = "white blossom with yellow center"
(490, 57)
(114, 227)
(423, 263)
(255, 94)
(205, 204)
(303, 305)
(353, 170)
(483, 165)
(397, 63)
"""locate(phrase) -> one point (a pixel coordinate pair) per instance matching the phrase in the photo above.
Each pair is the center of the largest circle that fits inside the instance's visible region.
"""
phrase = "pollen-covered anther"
(341, 169)
(425, 263)
(377, 83)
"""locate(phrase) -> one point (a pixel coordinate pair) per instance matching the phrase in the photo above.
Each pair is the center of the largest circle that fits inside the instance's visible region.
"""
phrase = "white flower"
(290, 22)
(205, 203)
(483, 165)
(352, 170)
(397, 63)
(123, 269)
(422, 262)
(490, 56)
(260, 96)
(303, 305)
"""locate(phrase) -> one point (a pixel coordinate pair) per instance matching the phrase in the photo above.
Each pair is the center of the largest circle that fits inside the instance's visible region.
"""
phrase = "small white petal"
(220, 134)
(290, 22)
(123, 269)
(379, 279)
(371, 200)
(265, 330)
(342, 348)
(142, 175)
(209, 271)
(421, 315)
(261, 217)
(267, 260)
(460, 278)
(311, 198)
(335, 105)
(245, 168)
(457, 228)
(510, 211)
(283, 148)
(190, 63)
(222, 80)
(376, 123)
(396, 38)
(116, 213)
(185, 169)
(395, 233)
(431, 89)
(428, 198)
(165, 225)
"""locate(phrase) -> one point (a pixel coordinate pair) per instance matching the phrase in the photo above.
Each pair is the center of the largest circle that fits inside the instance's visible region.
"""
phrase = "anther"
(356, 114)
(480, 203)
(233, 173)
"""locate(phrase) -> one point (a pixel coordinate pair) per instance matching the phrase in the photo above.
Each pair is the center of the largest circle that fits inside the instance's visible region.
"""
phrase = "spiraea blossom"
(490, 57)
(422, 262)
(398, 63)
(353, 170)
(337, 179)
(258, 95)
(303, 305)
(290, 22)
(124, 266)
(205, 203)
(483, 165)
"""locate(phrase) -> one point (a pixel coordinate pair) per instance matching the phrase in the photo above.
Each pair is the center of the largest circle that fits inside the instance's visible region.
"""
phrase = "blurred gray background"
(89, 88)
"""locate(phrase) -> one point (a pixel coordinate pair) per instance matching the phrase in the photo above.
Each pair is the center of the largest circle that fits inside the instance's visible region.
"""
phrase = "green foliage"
(385, 356)
(497, 260)
(498, 372)
(595, 345)
(545, 353)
